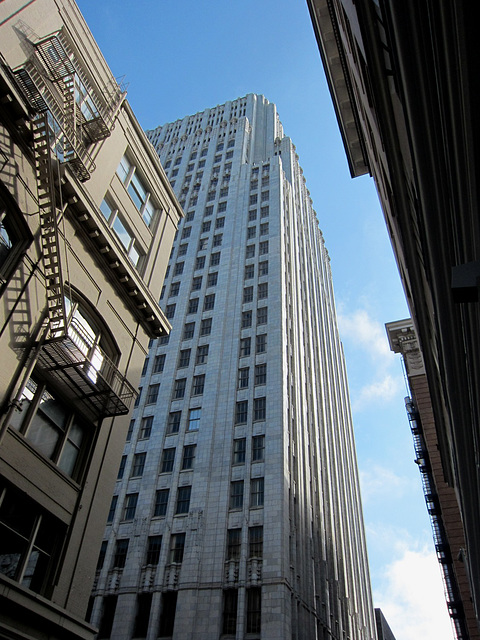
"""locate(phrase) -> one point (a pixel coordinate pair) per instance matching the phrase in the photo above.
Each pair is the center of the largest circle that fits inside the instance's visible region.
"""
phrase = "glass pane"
(106, 209)
(148, 213)
(137, 191)
(123, 168)
(123, 235)
(13, 548)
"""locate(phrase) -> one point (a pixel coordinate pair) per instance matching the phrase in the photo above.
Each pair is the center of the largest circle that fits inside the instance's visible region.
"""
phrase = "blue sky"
(182, 56)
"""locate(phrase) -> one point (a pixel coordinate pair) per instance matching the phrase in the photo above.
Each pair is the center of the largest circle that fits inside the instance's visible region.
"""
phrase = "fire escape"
(442, 546)
(68, 115)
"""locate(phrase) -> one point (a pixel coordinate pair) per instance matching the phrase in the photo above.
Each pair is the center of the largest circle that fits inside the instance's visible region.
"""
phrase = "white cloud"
(412, 597)
(382, 390)
(380, 481)
(360, 329)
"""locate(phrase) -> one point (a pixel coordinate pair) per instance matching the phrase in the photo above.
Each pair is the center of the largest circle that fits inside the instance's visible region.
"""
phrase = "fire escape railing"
(442, 546)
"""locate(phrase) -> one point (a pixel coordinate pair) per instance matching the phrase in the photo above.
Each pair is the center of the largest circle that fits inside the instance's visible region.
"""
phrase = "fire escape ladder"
(48, 228)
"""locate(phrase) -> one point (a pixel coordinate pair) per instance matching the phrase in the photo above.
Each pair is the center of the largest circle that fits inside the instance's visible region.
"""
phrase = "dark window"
(144, 605)
(248, 294)
(250, 251)
(236, 494)
(239, 447)
(259, 408)
(263, 248)
(197, 283)
(146, 428)
(260, 374)
(161, 502)
(246, 319)
(258, 448)
(264, 229)
(153, 549)
(206, 226)
(261, 343)
(188, 331)
(177, 546)
(173, 425)
(255, 542)
(252, 215)
(130, 506)
(111, 511)
(208, 210)
(241, 412)
(159, 363)
(152, 394)
(198, 385)
(168, 458)
(209, 302)
(178, 267)
(184, 358)
(109, 606)
(262, 315)
(130, 430)
(264, 211)
(101, 555)
(174, 289)
(234, 542)
(243, 375)
(145, 366)
(138, 465)
(167, 618)
(230, 605)
(212, 279)
(193, 305)
(263, 268)
(251, 232)
(120, 556)
(254, 609)
(202, 354)
(188, 456)
(220, 223)
(256, 492)
(249, 271)
(121, 468)
(179, 389)
(215, 259)
(183, 500)
(182, 249)
(206, 327)
(245, 347)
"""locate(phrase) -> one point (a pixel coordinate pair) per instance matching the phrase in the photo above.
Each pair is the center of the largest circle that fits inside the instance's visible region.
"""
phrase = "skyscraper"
(237, 511)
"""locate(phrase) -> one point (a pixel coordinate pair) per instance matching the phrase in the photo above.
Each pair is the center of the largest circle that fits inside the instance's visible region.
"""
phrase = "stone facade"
(240, 459)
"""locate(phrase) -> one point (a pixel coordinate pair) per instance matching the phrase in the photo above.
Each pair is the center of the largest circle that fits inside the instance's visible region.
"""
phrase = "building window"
(245, 347)
(153, 550)
(212, 279)
(246, 319)
(251, 232)
(202, 244)
(182, 249)
(183, 500)
(159, 363)
(250, 251)
(146, 428)
(263, 248)
(236, 494)
(252, 215)
(208, 210)
(209, 302)
(194, 416)
(121, 468)
(254, 610)
(261, 343)
(262, 291)
(131, 426)
(234, 542)
(264, 229)
(198, 385)
(239, 447)
(186, 232)
(243, 375)
(259, 408)
(217, 240)
(188, 456)
(222, 207)
(206, 226)
(168, 458)
(202, 354)
(101, 555)
(199, 263)
(256, 492)
(173, 424)
(253, 199)
(163, 340)
(152, 394)
(230, 605)
(178, 270)
(167, 618)
(241, 412)
(138, 465)
(174, 289)
(260, 374)
(30, 540)
(197, 283)
(177, 546)
(262, 315)
(265, 196)
(161, 502)
(184, 358)
(215, 259)
(255, 542)
(120, 556)
(109, 606)
(145, 366)
(258, 448)
(111, 511)
(136, 187)
(264, 211)
(220, 223)
(263, 268)
(206, 327)
(179, 389)
(249, 271)
(188, 331)
(144, 605)
(130, 506)
(247, 294)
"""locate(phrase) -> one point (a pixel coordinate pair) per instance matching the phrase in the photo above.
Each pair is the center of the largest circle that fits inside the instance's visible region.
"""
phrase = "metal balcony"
(85, 374)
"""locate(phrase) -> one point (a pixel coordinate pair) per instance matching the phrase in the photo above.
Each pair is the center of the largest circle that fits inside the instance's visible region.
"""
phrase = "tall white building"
(237, 511)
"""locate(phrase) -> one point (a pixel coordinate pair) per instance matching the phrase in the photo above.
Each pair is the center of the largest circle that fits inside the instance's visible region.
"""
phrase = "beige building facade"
(87, 218)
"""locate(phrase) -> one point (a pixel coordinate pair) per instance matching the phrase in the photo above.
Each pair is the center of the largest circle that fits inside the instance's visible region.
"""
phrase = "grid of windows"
(262, 291)
(250, 251)
(170, 311)
(215, 259)
(206, 327)
(199, 263)
(168, 458)
(263, 248)
(263, 268)
(249, 271)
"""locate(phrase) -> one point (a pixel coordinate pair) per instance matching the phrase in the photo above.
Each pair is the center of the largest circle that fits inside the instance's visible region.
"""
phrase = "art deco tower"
(237, 510)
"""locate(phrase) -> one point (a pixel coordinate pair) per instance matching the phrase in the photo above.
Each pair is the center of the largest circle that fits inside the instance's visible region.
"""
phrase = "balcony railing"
(86, 375)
